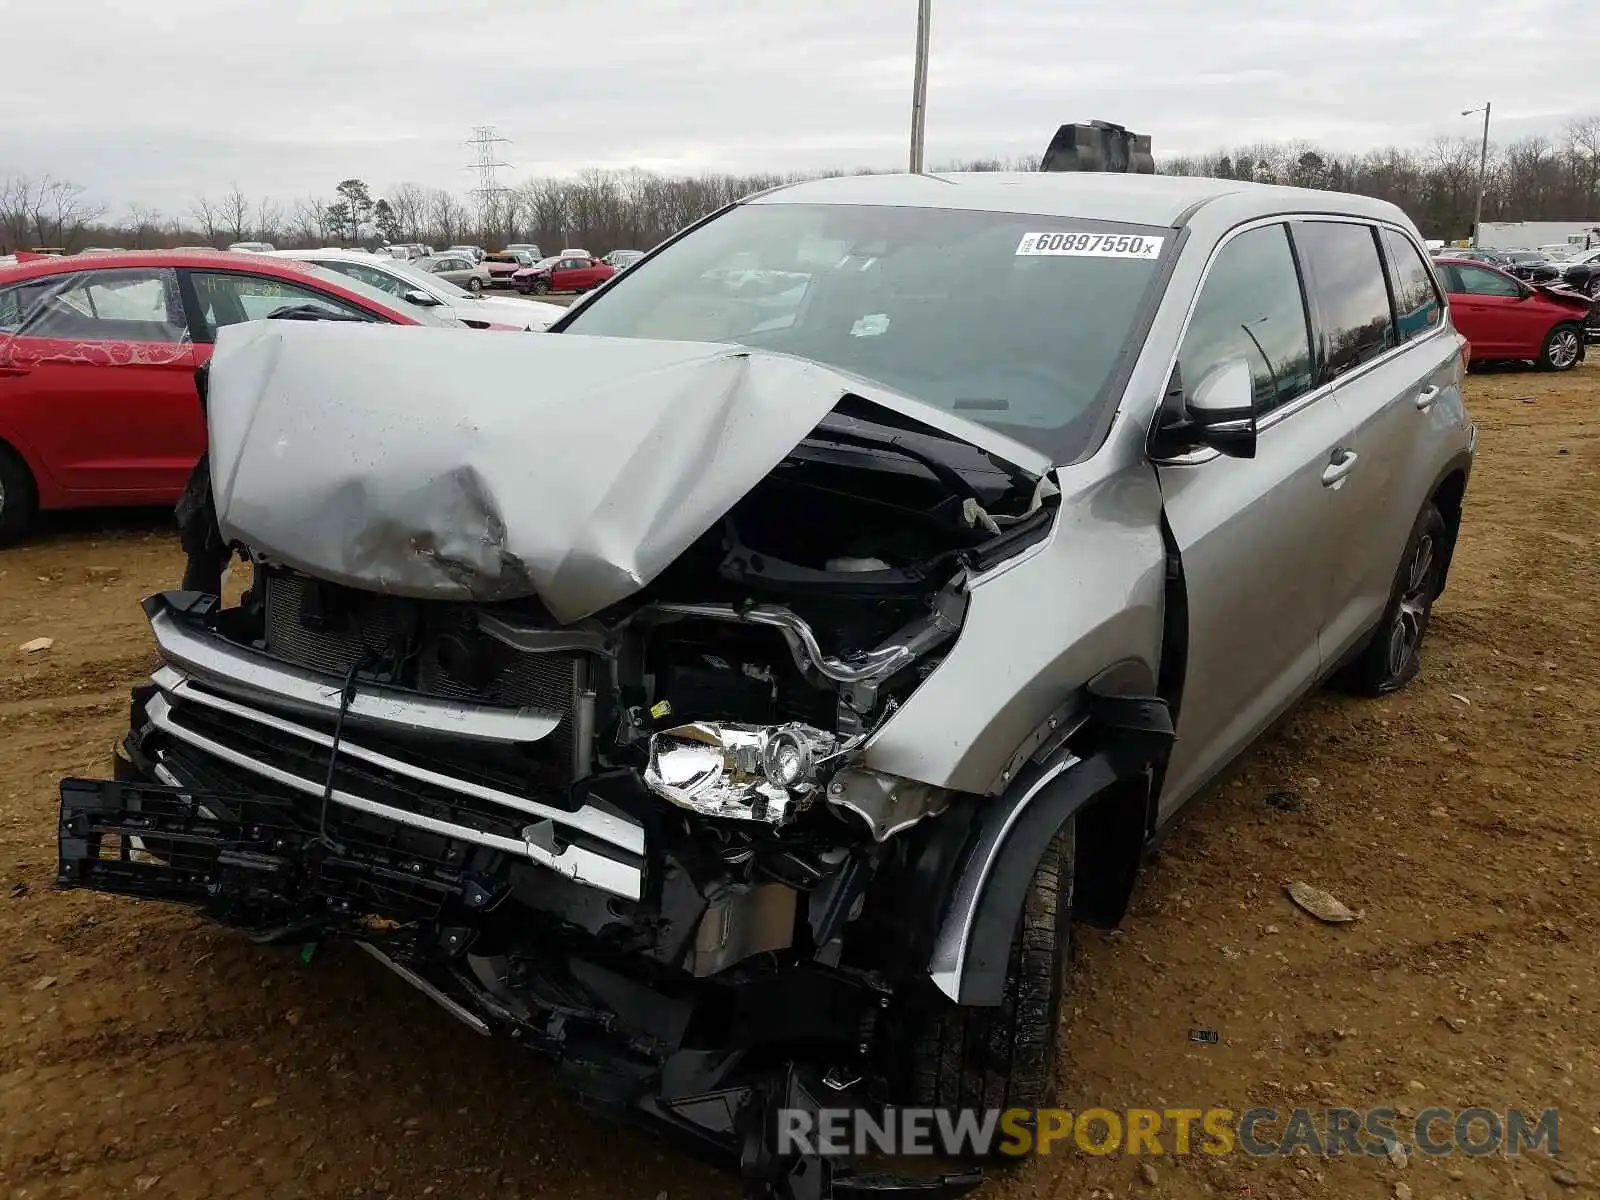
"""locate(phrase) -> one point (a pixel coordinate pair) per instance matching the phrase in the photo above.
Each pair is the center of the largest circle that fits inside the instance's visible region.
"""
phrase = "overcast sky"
(158, 101)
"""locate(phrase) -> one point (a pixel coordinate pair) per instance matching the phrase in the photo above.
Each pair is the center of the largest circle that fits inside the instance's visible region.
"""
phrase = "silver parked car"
(421, 289)
(458, 269)
(744, 711)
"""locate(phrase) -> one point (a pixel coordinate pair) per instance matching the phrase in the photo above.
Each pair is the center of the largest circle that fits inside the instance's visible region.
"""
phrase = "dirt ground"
(143, 1053)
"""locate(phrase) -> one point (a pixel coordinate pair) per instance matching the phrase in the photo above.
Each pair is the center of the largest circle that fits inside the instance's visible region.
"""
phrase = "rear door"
(1379, 317)
(1251, 533)
(99, 366)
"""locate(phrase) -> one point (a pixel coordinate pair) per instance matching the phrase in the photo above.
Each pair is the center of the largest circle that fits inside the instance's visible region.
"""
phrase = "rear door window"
(1417, 306)
(124, 305)
(1350, 296)
(1251, 308)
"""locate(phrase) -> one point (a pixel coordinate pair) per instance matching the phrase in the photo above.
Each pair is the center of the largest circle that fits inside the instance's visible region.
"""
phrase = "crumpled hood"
(445, 464)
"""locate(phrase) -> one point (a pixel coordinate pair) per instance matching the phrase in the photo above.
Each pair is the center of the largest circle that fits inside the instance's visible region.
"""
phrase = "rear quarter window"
(1417, 304)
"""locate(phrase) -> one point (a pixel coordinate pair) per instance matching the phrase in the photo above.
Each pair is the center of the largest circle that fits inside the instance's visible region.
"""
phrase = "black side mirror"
(420, 298)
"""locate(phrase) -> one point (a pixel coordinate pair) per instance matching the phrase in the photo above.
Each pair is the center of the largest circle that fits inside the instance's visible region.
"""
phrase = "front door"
(1488, 309)
(101, 366)
(1251, 533)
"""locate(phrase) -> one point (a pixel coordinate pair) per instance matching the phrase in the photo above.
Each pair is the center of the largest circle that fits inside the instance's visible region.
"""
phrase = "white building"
(1530, 235)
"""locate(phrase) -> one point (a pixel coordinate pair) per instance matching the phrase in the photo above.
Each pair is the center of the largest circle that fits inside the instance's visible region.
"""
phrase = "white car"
(252, 247)
(417, 286)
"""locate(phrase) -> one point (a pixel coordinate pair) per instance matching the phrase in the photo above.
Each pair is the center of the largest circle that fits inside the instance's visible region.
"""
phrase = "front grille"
(381, 809)
(419, 645)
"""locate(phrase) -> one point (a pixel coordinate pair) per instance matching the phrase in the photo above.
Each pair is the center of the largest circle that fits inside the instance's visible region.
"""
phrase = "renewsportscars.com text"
(1260, 1132)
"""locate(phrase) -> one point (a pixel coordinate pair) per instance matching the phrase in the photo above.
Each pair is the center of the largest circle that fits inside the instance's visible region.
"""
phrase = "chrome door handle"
(1426, 397)
(1340, 466)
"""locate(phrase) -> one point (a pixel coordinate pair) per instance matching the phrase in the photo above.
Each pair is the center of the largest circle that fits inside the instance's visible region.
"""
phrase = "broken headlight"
(746, 772)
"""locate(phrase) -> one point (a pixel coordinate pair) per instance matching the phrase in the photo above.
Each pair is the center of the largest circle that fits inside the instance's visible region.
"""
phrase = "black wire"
(346, 696)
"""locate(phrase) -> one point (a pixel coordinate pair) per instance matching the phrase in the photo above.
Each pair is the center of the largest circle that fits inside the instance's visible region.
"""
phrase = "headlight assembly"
(746, 772)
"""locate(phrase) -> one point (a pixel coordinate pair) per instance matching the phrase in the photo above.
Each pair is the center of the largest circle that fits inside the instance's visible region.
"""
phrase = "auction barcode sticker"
(1091, 245)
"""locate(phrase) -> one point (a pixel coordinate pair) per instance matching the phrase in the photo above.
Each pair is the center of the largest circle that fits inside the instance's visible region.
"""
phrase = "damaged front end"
(625, 816)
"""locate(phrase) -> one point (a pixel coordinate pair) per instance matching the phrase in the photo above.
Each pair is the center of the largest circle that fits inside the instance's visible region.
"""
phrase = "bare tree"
(447, 218)
(305, 222)
(1583, 147)
(269, 219)
(144, 226)
(234, 214)
(409, 204)
(44, 212)
(208, 216)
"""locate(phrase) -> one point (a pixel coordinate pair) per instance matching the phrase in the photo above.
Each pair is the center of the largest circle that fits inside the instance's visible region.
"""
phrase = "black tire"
(19, 499)
(1563, 347)
(1005, 1057)
(1392, 658)
(474, 284)
(541, 287)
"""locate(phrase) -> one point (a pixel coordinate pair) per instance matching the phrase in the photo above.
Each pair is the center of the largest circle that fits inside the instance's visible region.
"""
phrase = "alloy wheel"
(1563, 349)
(1405, 635)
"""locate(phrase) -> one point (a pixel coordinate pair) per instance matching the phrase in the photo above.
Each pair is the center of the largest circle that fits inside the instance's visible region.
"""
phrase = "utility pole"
(1483, 174)
(919, 87)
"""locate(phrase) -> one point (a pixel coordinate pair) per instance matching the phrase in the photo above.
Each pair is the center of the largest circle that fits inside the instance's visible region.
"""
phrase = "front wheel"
(1563, 347)
(1005, 1057)
(474, 284)
(541, 287)
(1393, 657)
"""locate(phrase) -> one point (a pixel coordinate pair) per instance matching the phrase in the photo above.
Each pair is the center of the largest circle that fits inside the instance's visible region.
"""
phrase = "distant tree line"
(1533, 179)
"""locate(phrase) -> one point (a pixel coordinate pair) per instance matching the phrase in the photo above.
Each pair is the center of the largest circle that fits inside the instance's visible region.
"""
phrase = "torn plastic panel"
(111, 317)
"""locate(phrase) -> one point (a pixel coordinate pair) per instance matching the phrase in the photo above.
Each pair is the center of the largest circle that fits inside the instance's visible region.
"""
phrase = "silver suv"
(743, 707)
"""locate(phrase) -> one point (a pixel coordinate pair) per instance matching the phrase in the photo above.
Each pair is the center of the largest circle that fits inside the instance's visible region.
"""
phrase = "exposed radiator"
(359, 629)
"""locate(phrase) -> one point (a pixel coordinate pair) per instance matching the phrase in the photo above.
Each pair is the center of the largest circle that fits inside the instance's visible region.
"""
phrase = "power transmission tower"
(485, 162)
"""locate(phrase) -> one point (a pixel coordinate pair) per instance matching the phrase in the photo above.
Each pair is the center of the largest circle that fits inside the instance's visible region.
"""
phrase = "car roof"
(1135, 199)
(259, 264)
(1472, 262)
(254, 264)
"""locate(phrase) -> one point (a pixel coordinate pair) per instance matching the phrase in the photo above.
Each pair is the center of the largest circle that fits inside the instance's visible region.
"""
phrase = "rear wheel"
(18, 497)
(1394, 655)
(1005, 1057)
(1562, 348)
(474, 284)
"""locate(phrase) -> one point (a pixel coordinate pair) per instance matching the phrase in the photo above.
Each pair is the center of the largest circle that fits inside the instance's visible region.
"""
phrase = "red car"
(97, 362)
(1506, 319)
(563, 275)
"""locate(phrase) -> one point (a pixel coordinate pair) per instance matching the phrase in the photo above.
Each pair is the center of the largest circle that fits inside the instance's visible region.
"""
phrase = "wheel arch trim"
(1132, 734)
